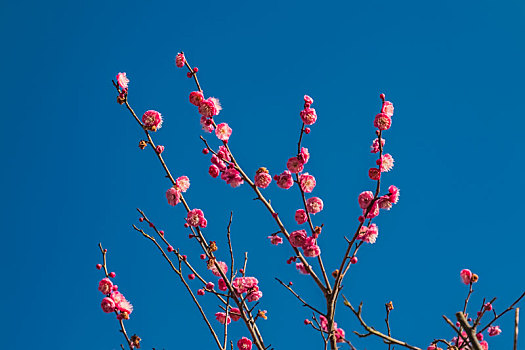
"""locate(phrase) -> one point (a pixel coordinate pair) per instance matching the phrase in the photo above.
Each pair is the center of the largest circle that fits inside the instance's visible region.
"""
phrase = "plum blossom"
(232, 177)
(275, 239)
(466, 276)
(222, 266)
(108, 305)
(386, 162)
(244, 344)
(284, 180)
(159, 149)
(374, 174)
(223, 287)
(223, 132)
(254, 295)
(375, 145)
(183, 183)
(300, 216)
(307, 182)
(393, 194)
(122, 80)
(384, 202)
(314, 205)
(304, 156)
(173, 196)
(262, 178)
(210, 107)
(105, 285)
(206, 124)
(368, 234)
(214, 171)
(196, 98)
(494, 330)
(180, 60)
(308, 116)
(221, 317)
(308, 100)
(387, 108)
(484, 345)
(373, 211)
(295, 165)
(224, 154)
(235, 313)
(311, 250)
(300, 267)
(196, 218)
(382, 121)
(152, 120)
(364, 199)
(297, 238)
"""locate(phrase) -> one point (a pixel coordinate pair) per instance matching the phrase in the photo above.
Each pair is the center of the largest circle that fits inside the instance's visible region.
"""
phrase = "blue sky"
(73, 174)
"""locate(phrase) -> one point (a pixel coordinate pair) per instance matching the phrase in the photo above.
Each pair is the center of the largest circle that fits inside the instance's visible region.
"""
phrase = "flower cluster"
(248, 285)
(182, 184)
(308, 114)
(339, 332)
(228, 172)
(114, 300)
(208, 108)
(300, 239)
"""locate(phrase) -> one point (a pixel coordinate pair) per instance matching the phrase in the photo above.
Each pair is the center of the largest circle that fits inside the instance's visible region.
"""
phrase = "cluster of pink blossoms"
(182, 184)
(114, 300)
(180, 60)
(300, 239)
(339, 332)
(208, 108)
(228, 172)
(248, 285)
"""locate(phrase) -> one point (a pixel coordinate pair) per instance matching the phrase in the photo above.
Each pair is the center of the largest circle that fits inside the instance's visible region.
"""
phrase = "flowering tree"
(237, 293)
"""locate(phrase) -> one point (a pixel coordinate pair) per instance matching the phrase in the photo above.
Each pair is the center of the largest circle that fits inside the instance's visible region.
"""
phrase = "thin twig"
(299, 297)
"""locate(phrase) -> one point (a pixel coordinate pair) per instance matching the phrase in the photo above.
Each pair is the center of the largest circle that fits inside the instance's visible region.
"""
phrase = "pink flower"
(308, 100)
(183, 183)
(105, 285)
(304, 156)
(275, 239)
(222, 266)
(122, 80)
(365, 198)
(108, 305)
(235, 314)
(314, 205)
(210, 286)
(254, 295)
(223, 287)
(494, 330)
(232, 177)
(295, 165)
(223, 132)
(210, 107)
(300, 216)
(324, 322)
(466, 276)
(206, 124)
(180, 60)
(173, 196)
(196, 97)
(374, 174)
(384, 202)
(152, 120)
(297, 238)
(387, 108)
(196, 218)
(386, 163)
(159, 149)
(484, 345)
(262, 179)
(307, 182)
(200, 292)
(311, 250)
(300, 267)
(308, 116)
(284, 180)
(373, 212)
(394, 194)
(375, 145)
(221, 317)
(224, 154)
(368, 234)
(382, 121)
(213, 171)
(340, 335)
(125, 306)
(244, 344)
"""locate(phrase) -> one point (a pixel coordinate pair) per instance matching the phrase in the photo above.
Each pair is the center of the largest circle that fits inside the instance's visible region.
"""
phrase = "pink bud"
(203, 256)
(161, 232)
(361, 219)
(469, 319)
(195, 69)
(170, 248)
(241, 271)
(115, 287)
(382, 96)
(99, 266)
(353, 260)
(205, 151)
(141, 219)
(306, 131)
(186, 225)
(275, 215)
(184, 257)
(200, 292)
(189, 75)
(488, 306)
(210, 286)
(151, 224)
(191, 276)
(112, 274)
(307, 322)
(479, 336)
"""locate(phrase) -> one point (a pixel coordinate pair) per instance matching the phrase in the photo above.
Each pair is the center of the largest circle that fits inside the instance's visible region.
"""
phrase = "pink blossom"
(159, 149)
(308, 100)
(125, 306)
(384, 202)
(324, 323)
(387, 108)
(311, 250)
(210, 286)
(180, 60)
(300, 216)
(484, 345)
(218, 162)
(221, 317)
(222, 286)
(382, 121)
(373, 212)
(375, 145)
(232, 177)
(196, 218)
(222, 266)
(394, 194)
(284, 180)
(300, 267)
(374, 174)
(122, 80)
(224, 154)
(209, 107)
(173, 196)
(262, 179)
(196, 98)
(314, 205)
(254, 295)
(386, 163)
(368, 234)
(235, 314)
(183, 183)
(152, 120)
(245, 284)
(365, 198)
(304, 156)
(275, 239)
(294, 165)
(244, 344)
(223, 132)
(108, 305)
(494, 330)
(297, 238)
(206, 124)
(105, 285)
(307, 182)
(308, 116)
(466, 276)
(200, 292)
(213, 171)
(340, 335)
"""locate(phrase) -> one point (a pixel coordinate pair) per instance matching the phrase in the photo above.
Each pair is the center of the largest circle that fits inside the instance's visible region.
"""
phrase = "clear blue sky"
(73, 174)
